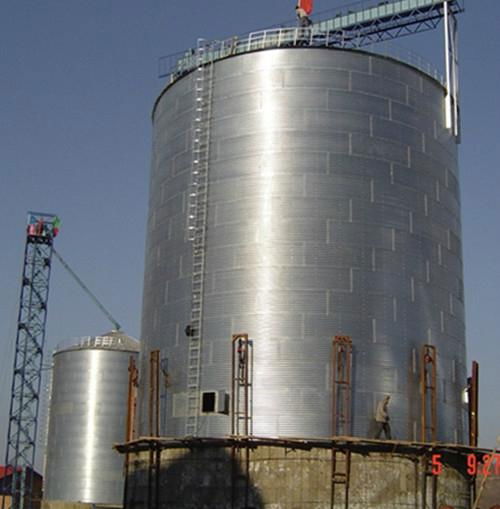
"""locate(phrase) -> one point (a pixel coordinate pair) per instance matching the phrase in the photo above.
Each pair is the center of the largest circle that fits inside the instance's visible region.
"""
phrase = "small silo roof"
(112, 340)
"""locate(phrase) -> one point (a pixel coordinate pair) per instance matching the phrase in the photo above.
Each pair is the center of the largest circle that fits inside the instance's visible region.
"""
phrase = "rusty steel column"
(133, 384)
(473, 390)
(428, 393)
(154, 393)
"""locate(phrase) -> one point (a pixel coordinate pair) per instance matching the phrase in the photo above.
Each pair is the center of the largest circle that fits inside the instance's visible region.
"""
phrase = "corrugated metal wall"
(333, 209)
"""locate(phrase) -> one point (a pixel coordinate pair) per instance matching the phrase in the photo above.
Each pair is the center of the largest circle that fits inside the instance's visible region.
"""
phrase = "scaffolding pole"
(473, 390)
(428, 393)
(154, 393)
(341, 385)
(133, 384)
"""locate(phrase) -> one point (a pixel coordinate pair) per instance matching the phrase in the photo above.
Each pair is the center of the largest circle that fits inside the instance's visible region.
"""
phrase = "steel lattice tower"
(27, 374)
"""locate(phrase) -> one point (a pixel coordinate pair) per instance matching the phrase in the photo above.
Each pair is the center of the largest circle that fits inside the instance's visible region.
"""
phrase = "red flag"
(307, 5)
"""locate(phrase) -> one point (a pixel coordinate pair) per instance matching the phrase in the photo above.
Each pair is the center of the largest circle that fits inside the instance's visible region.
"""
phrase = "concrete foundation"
(293, 474)
(62, 504)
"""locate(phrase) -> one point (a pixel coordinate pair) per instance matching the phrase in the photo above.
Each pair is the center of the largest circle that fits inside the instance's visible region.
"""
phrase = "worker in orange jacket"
(303, 10)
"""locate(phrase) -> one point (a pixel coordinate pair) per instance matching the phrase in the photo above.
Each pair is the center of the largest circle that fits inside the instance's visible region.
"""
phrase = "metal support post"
(428, 393)
(428, 475)
(154, 393)
(473, 390)
(154, 476)
(454, 77)
(447, 63)
(451, 69)
(133, 384)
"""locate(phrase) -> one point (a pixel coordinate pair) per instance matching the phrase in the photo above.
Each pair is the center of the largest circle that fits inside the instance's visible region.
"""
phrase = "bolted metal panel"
(333, 208)
(88, 410)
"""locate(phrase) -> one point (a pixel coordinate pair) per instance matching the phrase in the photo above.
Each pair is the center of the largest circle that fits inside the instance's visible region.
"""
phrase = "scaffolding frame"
(428, 393)
(241, 385)
(420, 453)
(241, 412)
(341, 385)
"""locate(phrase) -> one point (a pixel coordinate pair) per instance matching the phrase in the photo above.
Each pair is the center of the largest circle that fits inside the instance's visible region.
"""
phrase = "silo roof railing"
(365, 25)
(113, 340)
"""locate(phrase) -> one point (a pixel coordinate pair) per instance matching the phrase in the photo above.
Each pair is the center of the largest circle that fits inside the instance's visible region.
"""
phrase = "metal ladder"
(340, 477)
(196, 227)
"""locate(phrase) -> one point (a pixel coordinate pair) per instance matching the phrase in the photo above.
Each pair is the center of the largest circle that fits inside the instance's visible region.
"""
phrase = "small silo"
(87, 416)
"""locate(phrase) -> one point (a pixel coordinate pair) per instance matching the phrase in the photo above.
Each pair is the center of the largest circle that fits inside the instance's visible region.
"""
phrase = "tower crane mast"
(27, 374)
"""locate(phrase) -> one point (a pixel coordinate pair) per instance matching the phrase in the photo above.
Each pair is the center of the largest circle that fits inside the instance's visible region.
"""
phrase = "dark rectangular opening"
(208, 402)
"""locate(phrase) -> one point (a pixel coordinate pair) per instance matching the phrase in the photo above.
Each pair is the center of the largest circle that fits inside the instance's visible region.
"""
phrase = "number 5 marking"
(437, 466)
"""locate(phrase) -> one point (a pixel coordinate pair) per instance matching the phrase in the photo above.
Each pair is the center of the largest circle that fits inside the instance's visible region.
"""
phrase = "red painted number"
(471, 464)
(487, 459)
(437, 466)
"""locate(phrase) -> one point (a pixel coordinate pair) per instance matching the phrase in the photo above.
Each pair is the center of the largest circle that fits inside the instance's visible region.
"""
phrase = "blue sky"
(78, 79)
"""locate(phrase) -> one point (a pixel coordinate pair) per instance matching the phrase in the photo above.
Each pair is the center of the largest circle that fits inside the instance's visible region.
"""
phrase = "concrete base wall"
(61, 504)
(278, 477)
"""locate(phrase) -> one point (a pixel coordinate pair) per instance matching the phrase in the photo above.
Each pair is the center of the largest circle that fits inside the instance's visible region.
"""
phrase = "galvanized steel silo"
(87, 416)
(333, 208)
